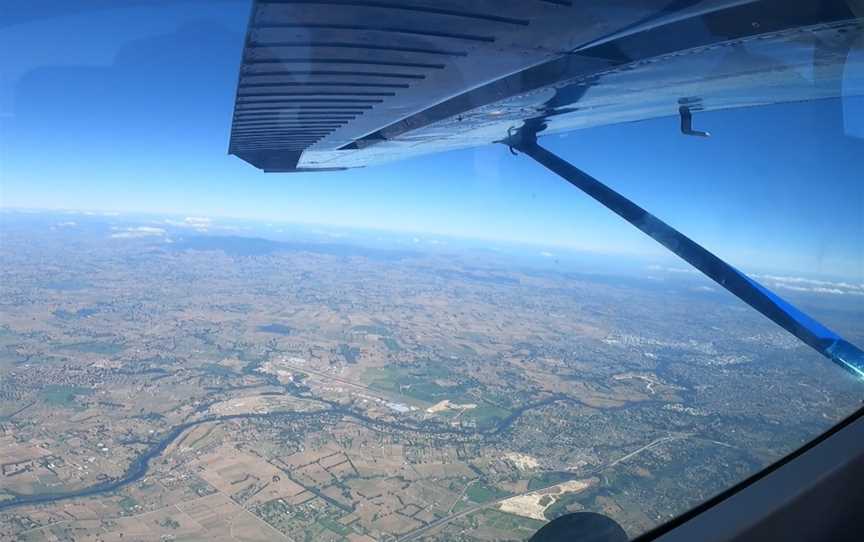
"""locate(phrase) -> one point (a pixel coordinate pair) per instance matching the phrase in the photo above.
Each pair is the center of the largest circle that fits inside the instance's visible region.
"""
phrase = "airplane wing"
(331, 84)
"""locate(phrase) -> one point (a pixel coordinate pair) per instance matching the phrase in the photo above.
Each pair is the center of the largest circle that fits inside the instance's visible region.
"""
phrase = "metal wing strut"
(820, 338)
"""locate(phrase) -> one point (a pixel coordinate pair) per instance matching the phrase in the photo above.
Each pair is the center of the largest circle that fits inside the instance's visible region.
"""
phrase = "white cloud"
(546, 254)
(790, 283)
(813, 282)
(138, 232)
(100, 213)
(199, 223)
(803, 284)
(69, 224)
(656, 267)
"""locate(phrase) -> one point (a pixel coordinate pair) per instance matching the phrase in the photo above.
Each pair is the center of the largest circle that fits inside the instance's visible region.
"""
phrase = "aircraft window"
(454, 345)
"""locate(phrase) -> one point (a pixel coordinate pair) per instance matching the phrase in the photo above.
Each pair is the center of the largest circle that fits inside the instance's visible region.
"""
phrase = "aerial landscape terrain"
(182, 379)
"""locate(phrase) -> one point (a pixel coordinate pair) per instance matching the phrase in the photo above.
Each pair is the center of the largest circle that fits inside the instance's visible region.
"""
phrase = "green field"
(430, 383)
(480, 493)
(277, 329)
(93, 347)
(333, 525)
(128, 504)
(519, 527)
(486, 415)
(549, 478)
(384, 331)
(350, 353)
(561, 504)
(391, 344)
(58, 395)
(417, 382)
(218, 370)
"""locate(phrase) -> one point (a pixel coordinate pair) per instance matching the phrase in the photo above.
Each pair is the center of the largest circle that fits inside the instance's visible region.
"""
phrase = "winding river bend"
(134, 472)
(139, 466)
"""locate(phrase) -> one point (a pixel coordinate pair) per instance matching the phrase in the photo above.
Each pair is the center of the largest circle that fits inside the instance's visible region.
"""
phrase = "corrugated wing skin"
(331, 84)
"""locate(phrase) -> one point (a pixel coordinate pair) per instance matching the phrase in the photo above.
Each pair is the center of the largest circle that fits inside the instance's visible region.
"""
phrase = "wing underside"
(329, 84)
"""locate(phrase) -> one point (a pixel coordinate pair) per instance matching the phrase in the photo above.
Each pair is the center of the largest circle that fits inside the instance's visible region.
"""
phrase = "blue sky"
(129, 110)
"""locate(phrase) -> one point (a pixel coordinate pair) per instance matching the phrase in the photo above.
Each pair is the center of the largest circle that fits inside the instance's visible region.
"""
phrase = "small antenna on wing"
(687, 123)
(511, 131)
